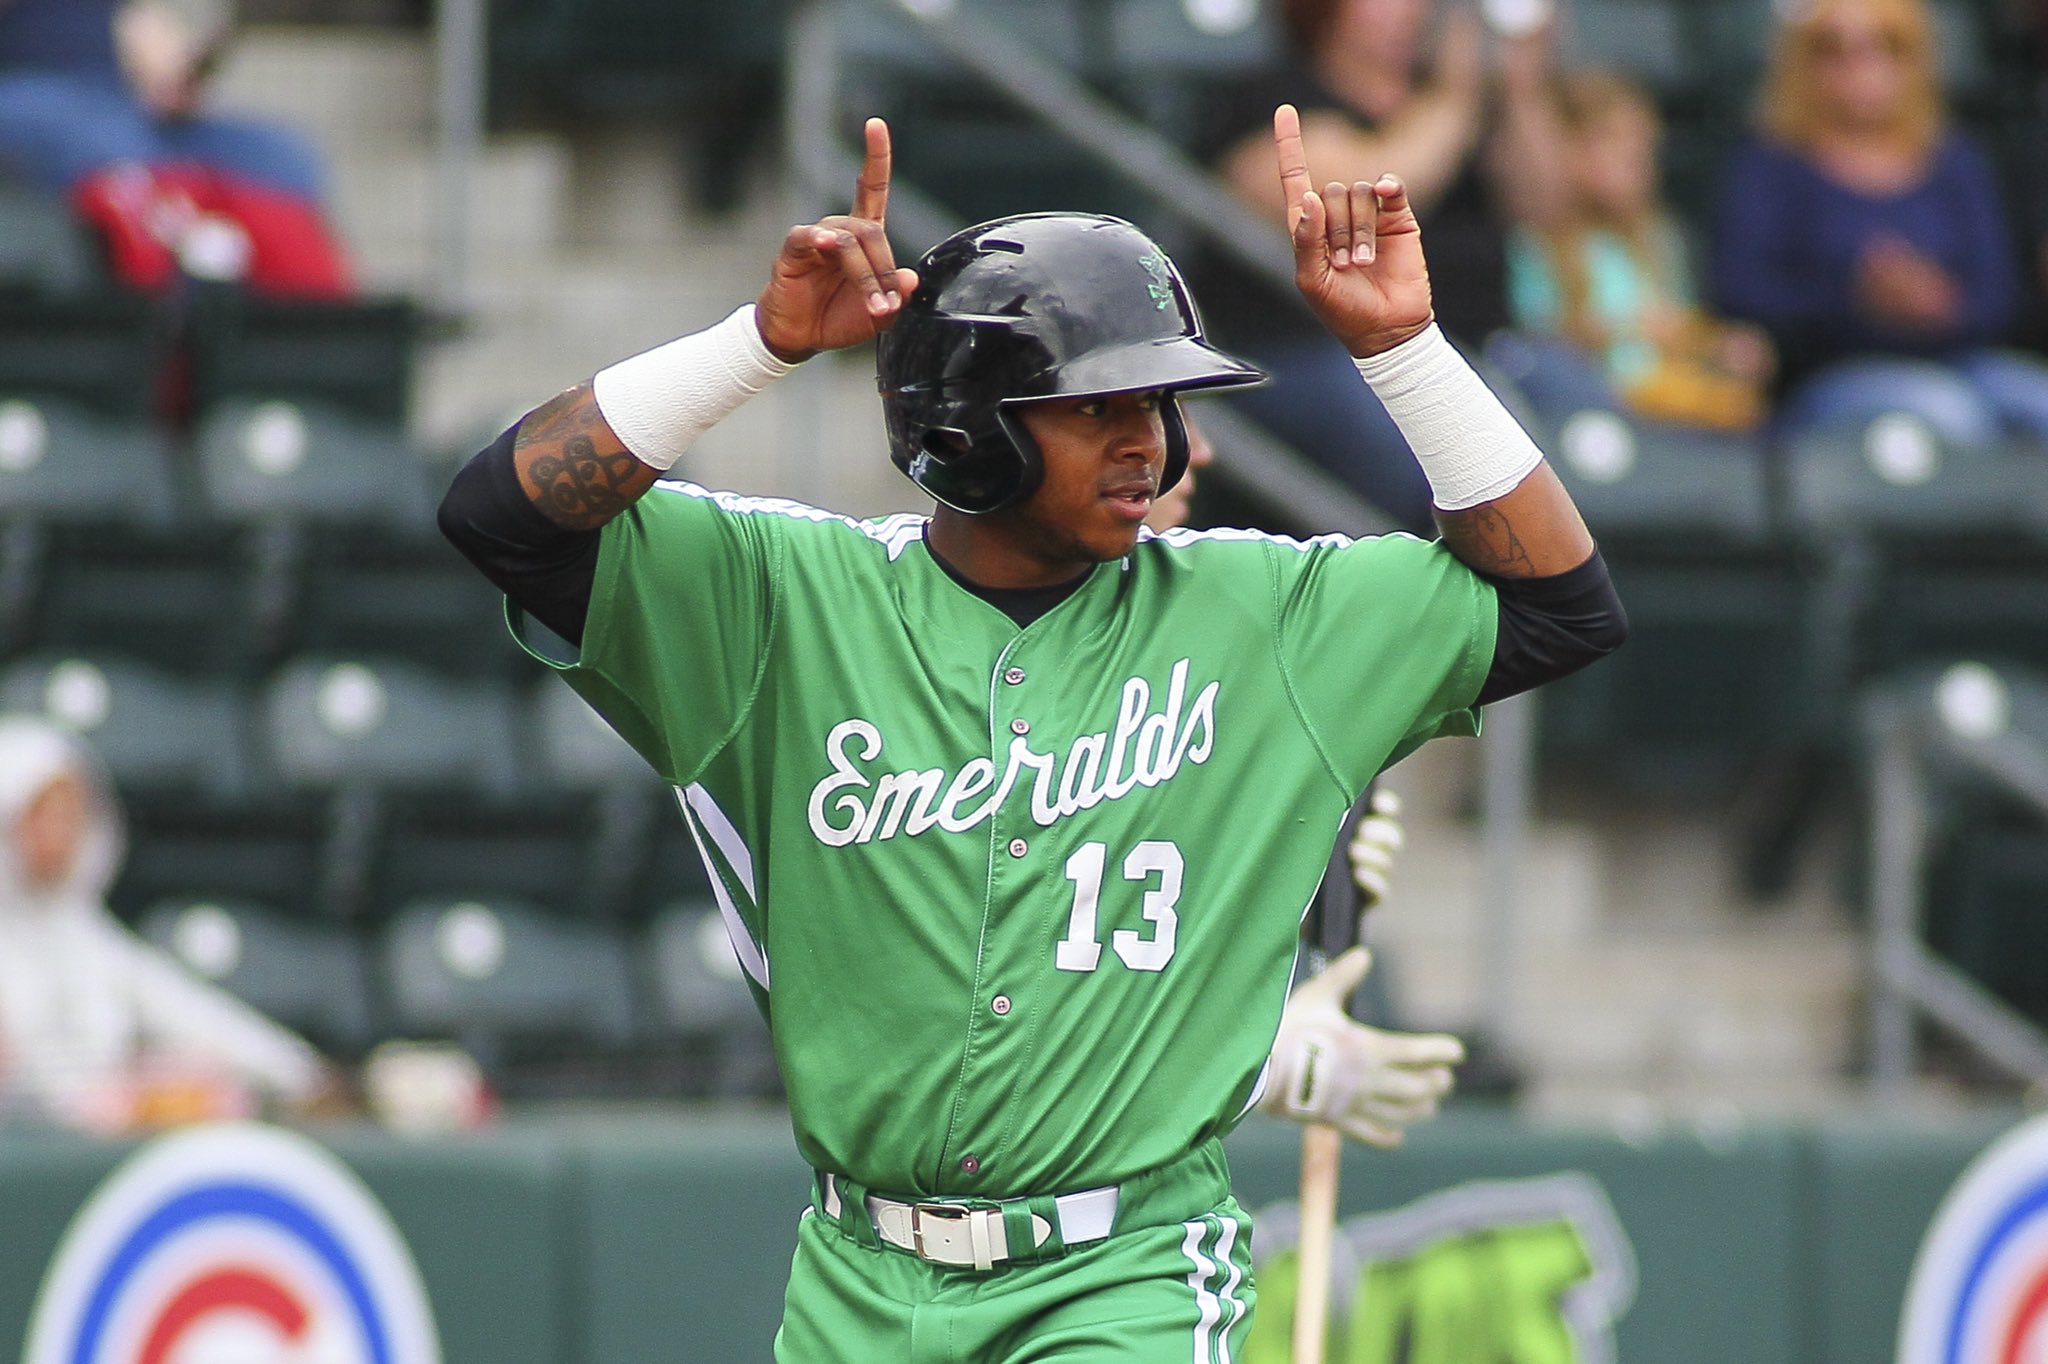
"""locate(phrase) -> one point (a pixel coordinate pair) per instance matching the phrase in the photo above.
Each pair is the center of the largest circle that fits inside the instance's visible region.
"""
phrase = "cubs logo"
(1979, 1291)
(238, 1243)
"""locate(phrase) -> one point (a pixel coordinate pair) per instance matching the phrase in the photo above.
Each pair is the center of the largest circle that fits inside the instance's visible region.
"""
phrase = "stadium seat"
(1166, 58)
(699, 987)
(62, 460)
(957, 142)
(700, 999)
(1935, 601)
(364, 589)
(708, 66)
(66, 464)
(42, 247)
(1715, 676)
(290, 460)
(179, 598)
(354, 357)
(1640, 480)
(328, 723)
(306, 974)
(1650, 41)
(1895, 478)
(101, 350)
(673, 868)
(270, 849)
(159, 735)
(578, 751)
(500, 975)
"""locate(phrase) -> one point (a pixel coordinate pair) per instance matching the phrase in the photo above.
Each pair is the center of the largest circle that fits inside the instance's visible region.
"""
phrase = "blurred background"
(1766, 281)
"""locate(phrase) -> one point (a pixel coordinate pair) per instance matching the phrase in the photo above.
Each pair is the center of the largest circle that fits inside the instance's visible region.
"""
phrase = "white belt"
(957, 1235)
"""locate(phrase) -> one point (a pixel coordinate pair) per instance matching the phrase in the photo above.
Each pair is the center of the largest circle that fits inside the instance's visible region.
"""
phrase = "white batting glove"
(1367, 1083)
(1373, 844)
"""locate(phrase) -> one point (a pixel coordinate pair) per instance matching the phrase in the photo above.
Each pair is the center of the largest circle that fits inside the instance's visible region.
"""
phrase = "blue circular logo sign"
(232, 1242)
(1979, 1291)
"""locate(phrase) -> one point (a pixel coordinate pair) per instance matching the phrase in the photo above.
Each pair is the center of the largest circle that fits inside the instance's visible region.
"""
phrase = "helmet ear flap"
(1030, 459)
(1176, 441)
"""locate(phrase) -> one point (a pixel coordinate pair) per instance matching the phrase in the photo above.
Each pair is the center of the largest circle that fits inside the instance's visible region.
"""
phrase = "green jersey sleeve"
(678, 627)
(1385, 643)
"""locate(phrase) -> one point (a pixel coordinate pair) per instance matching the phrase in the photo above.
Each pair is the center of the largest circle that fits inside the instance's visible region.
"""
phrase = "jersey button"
(1020, 725)
(971, 1164)
(999, 1006)
(1018, 847)
(1014, 676)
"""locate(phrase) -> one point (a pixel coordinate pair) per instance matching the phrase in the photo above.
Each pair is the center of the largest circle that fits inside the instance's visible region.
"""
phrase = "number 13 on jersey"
(1081, 949)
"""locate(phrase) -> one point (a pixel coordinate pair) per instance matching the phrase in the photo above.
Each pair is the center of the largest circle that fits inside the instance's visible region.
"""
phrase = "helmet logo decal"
(1158, 280)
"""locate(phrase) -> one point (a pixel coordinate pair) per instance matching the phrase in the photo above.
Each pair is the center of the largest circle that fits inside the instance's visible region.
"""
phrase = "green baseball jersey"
(1020, 904)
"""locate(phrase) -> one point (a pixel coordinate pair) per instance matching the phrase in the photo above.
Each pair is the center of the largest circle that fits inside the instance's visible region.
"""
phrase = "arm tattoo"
(1486, 541)
(572, 466)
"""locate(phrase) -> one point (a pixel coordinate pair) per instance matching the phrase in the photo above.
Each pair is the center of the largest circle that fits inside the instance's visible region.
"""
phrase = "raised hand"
(1357, 250)
(836, 282)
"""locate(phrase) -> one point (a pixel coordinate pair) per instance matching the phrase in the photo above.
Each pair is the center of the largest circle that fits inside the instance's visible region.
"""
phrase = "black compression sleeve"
(1552, 627)
(547, 570)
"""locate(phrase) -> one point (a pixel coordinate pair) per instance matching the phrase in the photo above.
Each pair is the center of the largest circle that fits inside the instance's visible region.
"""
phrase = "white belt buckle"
(986, 1241)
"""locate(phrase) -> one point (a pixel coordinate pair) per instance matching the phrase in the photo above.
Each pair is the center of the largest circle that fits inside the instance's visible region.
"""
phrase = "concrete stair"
(1644, 981)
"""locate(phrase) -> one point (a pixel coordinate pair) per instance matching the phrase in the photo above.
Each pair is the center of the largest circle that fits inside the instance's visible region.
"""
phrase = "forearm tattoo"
(1486, 541)
(571, 465)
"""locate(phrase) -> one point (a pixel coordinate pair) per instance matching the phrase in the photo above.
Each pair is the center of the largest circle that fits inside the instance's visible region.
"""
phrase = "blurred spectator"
(1869, 237)
(1600, 280)
(98, 1031)
(1375, 96)
(86, 84)
(99, 101)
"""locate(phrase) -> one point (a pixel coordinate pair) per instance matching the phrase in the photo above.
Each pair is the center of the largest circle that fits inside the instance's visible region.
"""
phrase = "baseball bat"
(1335, 923)
(1322, 1153)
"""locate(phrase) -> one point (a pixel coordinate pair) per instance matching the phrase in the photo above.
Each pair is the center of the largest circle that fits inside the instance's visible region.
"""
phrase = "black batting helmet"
(1042, 305)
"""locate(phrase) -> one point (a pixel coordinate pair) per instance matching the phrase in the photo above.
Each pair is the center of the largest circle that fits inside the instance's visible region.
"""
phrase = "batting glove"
(1367, 1083)
(1373, 846)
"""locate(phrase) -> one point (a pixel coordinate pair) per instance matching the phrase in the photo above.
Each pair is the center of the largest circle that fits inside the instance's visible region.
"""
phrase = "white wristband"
(660, 401)
(1470, 447)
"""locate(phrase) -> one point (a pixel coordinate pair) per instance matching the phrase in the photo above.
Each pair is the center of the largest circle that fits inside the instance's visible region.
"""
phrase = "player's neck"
(982, 550)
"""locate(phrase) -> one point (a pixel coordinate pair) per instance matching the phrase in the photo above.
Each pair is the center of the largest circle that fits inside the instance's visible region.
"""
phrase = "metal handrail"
(1908, 980)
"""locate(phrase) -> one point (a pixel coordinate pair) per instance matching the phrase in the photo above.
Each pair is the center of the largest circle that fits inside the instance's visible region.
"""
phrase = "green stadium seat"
(289, 460)
(301, 972)
(699, 986)
(102, 351)
(43, 249)
(1895, 478)
(381, 724)
(956, 140)
(501, 976)
(1165, 59)
(161, 736)
(62, 460)
(356, 357)
(369, 590)
(1652, 41)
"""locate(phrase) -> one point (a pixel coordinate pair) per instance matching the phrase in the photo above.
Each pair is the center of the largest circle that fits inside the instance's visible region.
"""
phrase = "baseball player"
(1013, 809)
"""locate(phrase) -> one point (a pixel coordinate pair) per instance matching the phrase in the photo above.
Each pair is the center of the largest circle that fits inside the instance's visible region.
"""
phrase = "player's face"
(1103, 459)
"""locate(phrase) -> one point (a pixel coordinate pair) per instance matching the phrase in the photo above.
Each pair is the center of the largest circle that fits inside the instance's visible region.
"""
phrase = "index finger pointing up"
(1293, 157)
(871, 195)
